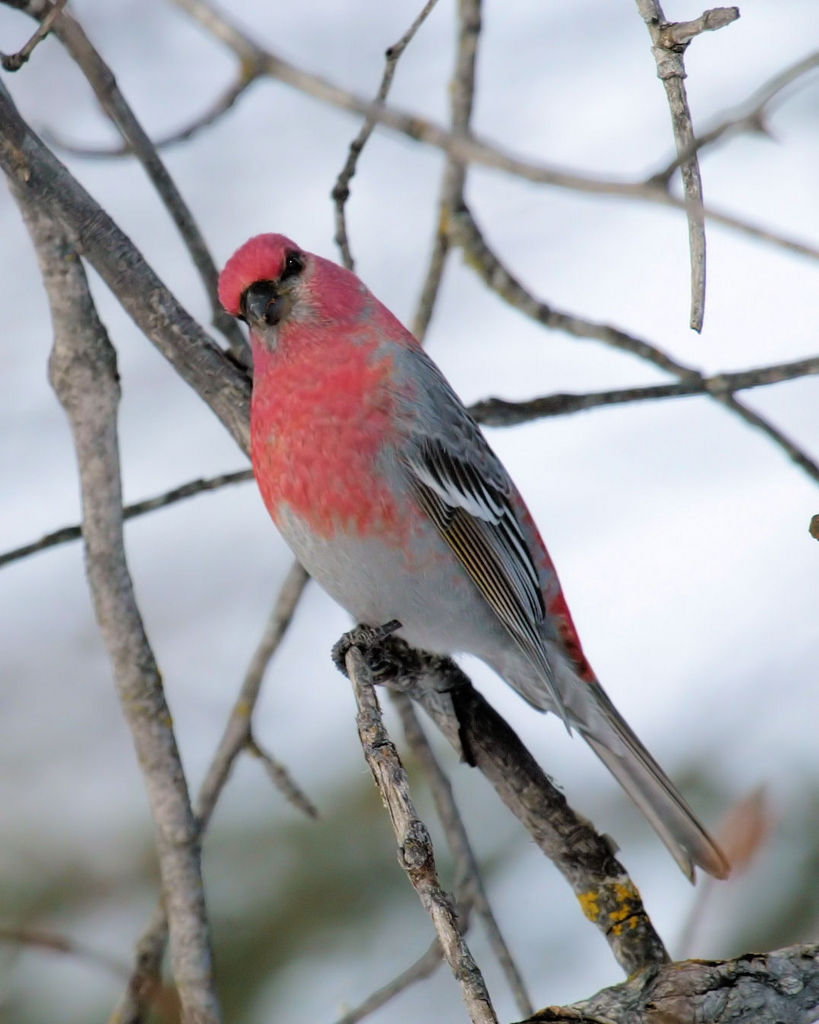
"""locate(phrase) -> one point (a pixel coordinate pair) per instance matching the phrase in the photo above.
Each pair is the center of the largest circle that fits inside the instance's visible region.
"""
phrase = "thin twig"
(773, 433)
(484, 261)
(83, 373)
(668, 45)
(39, 938)
(238, 733)
(458, 841)
(248, 74)
(341, 189)
(422, 968)
(102, 81)
(414, 845)
(139, 508)
(467, 149)
(497, 412)
(462, 99)
(14, 61)
(746, 116)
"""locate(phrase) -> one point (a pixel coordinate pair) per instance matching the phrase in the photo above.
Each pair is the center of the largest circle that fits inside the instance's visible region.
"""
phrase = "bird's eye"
(293, 265)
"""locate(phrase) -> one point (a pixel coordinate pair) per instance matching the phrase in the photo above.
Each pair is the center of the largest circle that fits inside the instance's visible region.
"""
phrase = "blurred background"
(681, 535)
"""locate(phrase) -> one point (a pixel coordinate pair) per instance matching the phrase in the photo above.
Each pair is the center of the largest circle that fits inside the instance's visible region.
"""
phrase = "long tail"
(650, 788)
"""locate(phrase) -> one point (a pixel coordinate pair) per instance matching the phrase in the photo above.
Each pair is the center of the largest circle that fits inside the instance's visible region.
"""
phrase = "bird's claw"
(367, 639)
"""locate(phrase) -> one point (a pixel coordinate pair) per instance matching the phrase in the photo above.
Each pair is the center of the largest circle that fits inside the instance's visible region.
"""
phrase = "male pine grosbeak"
(391, 498)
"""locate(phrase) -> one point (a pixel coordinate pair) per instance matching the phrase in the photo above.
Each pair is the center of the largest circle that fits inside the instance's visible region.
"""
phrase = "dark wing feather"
(476, 519)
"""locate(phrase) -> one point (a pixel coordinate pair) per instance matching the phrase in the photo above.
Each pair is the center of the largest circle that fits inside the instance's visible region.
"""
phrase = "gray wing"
(462, 486)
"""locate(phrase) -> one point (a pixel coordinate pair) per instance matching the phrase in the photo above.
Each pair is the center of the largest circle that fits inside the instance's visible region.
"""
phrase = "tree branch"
(668, 45)
(748, 116)
(462, 99)
(341, 189)
(606, 894)
(415, 852)
(458, 841)
(102, 81)
(14, 61)
(47, 184)
(236, 737)
(246, 76)
(498, 412)
(466, 149)
(484, 261)
(782, 986)
(139, 508)
(84, 376)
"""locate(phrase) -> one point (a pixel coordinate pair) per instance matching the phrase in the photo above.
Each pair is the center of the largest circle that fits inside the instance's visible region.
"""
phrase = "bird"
(390, 496)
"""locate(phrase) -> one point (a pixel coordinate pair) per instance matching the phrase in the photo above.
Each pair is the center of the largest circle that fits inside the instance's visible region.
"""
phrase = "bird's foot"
(370, 641)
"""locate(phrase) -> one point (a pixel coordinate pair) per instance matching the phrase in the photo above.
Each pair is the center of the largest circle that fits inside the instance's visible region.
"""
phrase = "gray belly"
(431, 595)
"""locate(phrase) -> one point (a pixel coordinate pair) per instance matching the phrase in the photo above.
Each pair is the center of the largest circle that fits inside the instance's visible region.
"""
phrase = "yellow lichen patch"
(590, 904)
(628, 906)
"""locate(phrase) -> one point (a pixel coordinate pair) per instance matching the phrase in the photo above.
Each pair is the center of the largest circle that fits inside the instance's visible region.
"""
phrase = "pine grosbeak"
(391, 498)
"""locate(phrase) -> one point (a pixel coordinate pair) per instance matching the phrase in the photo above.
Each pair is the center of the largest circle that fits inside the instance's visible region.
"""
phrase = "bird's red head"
(262, 258)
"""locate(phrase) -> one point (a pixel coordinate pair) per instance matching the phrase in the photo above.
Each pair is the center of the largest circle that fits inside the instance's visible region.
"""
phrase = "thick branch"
(102, 81)
(46, 183)
(603, 888)
(236, 737)
(782, 986)
(84, 375)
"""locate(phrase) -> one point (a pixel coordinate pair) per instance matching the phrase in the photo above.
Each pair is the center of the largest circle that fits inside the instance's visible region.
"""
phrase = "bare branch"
(466, 149)
(603, 888)
(236, 737)
(53, 942)
(139, 508)
(755, 419)
(14, 61)
(458, 841)
(102, 81)
(680, 33)
(47, 184)
(781, 986)
(414, 845)
(282, 779)
(747, 116)
(424, 966)
(83, 373)
(341, 189)
(668, 45)
(238, 731)
(497, 412)
(481, 258)
(248, 74)
(462, 98)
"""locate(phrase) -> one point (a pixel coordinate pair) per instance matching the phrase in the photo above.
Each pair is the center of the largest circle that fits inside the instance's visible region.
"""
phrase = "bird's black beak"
(261, 303)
